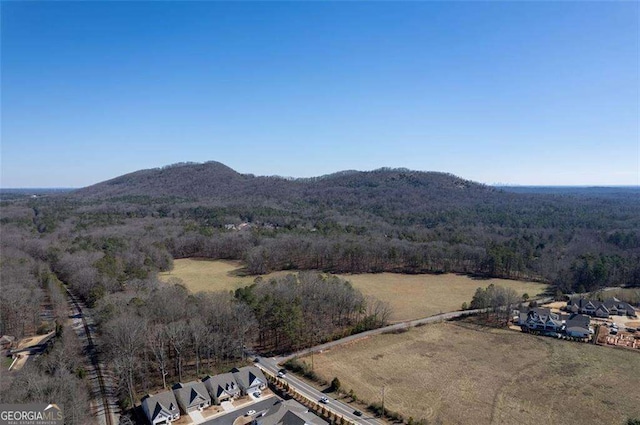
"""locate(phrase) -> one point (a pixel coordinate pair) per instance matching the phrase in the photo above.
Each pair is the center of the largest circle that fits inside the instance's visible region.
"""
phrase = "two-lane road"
(270, 365)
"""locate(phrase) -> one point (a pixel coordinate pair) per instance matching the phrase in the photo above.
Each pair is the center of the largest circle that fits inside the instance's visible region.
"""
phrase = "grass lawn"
(460, 374)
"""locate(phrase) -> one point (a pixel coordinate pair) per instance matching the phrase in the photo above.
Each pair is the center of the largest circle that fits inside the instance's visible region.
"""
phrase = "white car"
(250, 413)
(324, 400)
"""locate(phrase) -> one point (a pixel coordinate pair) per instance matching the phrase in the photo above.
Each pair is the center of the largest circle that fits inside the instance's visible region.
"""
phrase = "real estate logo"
(31, 414)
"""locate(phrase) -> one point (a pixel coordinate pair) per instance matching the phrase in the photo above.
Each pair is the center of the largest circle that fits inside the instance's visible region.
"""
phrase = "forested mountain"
(101, 237)
(213, 181)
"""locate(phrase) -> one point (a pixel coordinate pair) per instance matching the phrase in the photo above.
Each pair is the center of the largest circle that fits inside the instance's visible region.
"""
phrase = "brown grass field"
(415, 296)
(459, 373)
(410, 296)
(206, 275)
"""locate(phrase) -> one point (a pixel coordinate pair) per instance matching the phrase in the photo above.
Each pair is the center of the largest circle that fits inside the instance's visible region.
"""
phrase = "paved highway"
(270, 365)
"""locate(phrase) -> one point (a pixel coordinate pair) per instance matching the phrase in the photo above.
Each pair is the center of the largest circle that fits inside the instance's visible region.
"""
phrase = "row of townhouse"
(544, 320)
(165, 407)
(603, 309)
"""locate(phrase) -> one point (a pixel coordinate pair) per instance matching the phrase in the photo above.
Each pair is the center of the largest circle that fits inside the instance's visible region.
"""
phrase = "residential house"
(602, 309)
(288, 412)
(222, 387)
(540, 319)
(250, 379)
(192, 396)
(577, 326)
(161, 408)
(619, 308)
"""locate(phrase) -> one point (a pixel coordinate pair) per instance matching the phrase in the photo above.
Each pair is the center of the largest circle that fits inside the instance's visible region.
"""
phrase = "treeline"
(306, 309)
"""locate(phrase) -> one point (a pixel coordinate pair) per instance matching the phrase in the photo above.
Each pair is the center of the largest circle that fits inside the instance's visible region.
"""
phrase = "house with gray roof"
(540, 319)
(603, 309)
(288, 412)
(192, 396)
(223, 387)
(577, 326)
(619, 308)
(545, 321)
(161, 408)
(250, 379)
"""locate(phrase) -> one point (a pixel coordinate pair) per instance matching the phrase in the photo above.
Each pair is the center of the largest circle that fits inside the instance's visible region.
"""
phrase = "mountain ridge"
(214, 180)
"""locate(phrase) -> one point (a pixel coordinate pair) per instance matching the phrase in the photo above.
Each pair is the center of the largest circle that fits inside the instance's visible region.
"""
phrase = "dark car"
(283, 371)
(357, 413)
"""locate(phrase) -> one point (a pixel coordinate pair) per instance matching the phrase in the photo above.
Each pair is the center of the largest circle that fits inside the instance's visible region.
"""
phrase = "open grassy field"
(206, 275)
(414, 296)
(460, 373)
(410, 296)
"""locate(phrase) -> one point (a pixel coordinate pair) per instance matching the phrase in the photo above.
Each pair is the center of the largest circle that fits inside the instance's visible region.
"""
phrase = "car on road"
(250, 413)
(357, 413)
(283, 371)
(281, 375)
(324, 400)
(257, 394)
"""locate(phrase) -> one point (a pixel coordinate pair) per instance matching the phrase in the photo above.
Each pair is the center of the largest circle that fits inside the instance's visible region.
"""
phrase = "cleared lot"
(410, 296)
(462, 374)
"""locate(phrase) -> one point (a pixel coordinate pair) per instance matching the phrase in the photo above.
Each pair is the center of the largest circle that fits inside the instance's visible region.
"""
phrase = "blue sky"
(497, 92)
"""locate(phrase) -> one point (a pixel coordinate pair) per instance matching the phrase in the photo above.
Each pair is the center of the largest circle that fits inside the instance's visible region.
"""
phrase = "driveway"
(196, 417)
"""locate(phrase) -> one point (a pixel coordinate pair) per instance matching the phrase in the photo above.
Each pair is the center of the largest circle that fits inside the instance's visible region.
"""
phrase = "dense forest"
(100, 238)
(108, 241)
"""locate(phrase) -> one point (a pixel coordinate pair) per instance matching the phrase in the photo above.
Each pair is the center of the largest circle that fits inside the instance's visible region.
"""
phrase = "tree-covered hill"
(103, 237)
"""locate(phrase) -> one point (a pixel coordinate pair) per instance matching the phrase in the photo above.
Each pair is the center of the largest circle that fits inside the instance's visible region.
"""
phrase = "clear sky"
(497, 92)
